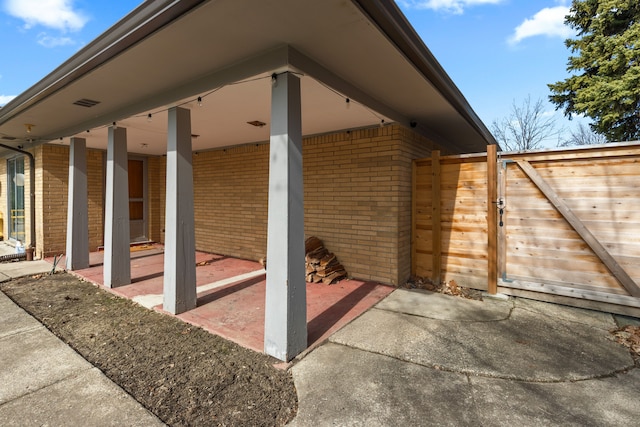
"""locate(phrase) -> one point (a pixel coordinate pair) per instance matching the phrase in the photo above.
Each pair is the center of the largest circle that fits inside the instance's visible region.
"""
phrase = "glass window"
(15, 184)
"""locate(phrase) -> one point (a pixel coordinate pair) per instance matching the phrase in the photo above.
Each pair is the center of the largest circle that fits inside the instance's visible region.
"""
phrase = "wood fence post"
(436, 228)
(492, 220)
(414, 213)
(502, 224)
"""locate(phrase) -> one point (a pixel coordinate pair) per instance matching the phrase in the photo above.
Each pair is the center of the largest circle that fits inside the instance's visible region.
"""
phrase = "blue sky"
(496, 51)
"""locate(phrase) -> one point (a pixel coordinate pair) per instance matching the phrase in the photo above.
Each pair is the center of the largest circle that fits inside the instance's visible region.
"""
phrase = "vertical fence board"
(502, 218)
(535, 243)
(581, 229)
(414, 212)
(492, 232)
(436, 219)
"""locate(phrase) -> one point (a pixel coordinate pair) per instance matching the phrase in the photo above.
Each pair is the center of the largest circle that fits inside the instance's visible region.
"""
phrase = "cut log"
(326, 271)
(320, 264)
(315, 256)
(311, 244)
(327, 259)
(336, 275)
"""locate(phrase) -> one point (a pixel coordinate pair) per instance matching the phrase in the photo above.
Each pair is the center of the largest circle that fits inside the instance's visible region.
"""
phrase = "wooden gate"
(560, 225)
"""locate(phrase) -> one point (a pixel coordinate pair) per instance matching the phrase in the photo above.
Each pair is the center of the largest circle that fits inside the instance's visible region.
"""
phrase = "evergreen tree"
(606, 87)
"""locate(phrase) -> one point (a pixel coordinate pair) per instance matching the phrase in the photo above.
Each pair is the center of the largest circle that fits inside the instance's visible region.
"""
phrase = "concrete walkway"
(43, 382)
(417, 358)
(420, 358)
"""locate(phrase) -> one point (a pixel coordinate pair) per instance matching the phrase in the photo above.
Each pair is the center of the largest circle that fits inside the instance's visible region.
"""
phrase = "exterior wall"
(231, 188)
(96, 180)
(358, 198)
(357, 189)
(157, 177)
(52, 177)
(53, 164)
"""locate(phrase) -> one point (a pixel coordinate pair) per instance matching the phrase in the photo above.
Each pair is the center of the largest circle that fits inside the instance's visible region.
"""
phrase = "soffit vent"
(257, 123)
(9, 138)
(84, 102)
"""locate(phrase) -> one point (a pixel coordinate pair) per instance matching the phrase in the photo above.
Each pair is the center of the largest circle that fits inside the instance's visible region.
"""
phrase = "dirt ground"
(181, 373)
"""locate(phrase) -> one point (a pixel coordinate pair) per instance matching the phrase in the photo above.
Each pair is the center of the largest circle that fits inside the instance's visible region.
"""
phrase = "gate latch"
(501, 207)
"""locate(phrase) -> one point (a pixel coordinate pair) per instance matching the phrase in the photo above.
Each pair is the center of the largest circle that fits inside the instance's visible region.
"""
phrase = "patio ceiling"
(168, 53)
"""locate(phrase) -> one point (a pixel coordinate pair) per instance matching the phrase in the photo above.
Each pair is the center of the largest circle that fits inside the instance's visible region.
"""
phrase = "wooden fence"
(561, 225)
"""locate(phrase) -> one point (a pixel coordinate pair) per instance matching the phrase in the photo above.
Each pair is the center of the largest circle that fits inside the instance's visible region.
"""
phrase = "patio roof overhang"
(167, 53)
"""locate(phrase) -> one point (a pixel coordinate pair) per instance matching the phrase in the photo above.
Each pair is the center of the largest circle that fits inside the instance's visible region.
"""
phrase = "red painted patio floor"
(231, 294)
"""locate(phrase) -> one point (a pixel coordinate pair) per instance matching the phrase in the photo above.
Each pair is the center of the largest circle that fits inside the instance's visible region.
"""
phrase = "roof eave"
(392, 22)
(143, 21)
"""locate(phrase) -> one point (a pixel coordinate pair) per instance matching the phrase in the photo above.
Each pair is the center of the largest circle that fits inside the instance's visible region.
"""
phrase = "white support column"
(77, 254)
(179, 240)
(285, 333)
(117, 255)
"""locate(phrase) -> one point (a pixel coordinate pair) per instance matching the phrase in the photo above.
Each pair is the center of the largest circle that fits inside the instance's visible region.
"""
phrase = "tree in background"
(606, 87)
(583, 135)
(525, 128)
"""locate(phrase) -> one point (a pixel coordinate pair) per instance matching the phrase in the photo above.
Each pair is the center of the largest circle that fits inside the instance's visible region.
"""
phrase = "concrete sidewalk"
(417, 358)
(421, 358)
(43, 382)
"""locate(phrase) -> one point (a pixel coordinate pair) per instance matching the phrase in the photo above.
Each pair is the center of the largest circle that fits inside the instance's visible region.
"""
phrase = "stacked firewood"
(322, 265)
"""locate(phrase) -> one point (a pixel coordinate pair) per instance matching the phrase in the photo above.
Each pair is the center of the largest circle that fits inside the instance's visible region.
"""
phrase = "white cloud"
(547, 22)
(5, 99)
(56, 14)
(49, 41)
(452, 6)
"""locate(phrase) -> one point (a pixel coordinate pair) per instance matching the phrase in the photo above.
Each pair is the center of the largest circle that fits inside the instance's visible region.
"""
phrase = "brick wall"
(357, 189)
(157, 177)
(53, 164)
(230, 197)
(358, 198)
(52, 177)
(96, 180)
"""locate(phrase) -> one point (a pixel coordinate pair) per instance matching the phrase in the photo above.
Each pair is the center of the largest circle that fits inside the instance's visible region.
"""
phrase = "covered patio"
(193, 91)
(231, 295)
